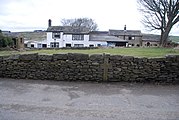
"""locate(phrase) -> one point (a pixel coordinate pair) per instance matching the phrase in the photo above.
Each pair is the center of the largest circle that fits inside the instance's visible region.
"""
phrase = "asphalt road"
(52, 100)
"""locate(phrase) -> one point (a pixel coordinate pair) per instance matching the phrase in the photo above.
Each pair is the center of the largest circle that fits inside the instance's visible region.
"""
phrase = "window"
(99, 45)
(77, 37)
(54, 44)
(78, 45)
(148, 44)
(39, 45)
(32, 46)
(44, 45)
(21, 40)
(131, 38)
(56, 35)
(91, 45)
(68, 45)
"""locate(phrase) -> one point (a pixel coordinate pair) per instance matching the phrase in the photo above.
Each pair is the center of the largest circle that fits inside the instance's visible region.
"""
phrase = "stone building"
(18, 43)
(150, 40)
(129, 38)
(18, 40)
(101, 38)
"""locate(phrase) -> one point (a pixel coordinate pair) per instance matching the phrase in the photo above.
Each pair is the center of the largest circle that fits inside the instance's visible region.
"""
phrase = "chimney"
(125, 28)
(49, 23)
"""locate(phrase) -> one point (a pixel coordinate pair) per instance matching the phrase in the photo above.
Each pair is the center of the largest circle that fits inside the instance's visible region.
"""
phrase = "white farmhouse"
(67, 36)
(70, 36)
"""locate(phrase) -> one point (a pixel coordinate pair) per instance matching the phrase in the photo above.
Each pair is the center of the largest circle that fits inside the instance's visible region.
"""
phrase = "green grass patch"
(137, 52)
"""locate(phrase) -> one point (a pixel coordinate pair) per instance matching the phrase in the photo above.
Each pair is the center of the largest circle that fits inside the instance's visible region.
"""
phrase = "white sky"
(29, 15)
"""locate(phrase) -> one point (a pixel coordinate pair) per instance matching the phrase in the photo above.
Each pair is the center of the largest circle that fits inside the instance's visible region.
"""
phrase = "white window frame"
(77, 37)
(56, 35)
(78, 45)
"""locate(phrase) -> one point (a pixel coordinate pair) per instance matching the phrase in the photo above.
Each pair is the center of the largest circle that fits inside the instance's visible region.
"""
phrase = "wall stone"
(84, 67)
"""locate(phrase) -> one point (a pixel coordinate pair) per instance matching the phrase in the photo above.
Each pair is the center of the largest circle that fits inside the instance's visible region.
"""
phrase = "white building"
(68, 36)
(36, 44)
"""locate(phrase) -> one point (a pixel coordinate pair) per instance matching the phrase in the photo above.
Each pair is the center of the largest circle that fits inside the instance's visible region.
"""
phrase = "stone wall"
(73, 67)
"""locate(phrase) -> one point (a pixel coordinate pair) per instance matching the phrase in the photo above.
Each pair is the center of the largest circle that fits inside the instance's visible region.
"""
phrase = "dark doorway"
(44, 45)
(91, 45)
(99, 45)
(32, 45)
(148, 44)
(68, 45)
(120, 44)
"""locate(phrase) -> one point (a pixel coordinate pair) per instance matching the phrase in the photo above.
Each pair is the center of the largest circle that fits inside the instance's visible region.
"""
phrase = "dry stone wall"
(84, 67)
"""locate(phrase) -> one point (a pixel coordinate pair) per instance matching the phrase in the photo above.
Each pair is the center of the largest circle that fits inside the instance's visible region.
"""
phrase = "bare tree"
(86, 22)
(160, 15)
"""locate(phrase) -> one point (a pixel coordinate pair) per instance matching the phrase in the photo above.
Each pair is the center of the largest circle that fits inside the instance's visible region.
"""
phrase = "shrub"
(5, 41)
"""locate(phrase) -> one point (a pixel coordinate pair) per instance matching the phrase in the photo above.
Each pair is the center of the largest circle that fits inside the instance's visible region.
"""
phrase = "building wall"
(152, 44)
(51, 39)
(19, 43)
(35, 44)
(67, 39)
(32, 45)
(98, 43)
(136, 42)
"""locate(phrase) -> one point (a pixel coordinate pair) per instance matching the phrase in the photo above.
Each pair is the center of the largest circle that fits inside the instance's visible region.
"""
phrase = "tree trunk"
(161, 38)
(164, 36)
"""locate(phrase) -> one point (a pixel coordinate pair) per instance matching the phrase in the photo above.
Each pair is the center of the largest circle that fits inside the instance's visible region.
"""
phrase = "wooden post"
(105, 67)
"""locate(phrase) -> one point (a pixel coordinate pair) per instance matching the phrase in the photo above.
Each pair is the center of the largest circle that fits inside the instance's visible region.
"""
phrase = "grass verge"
(137, 52)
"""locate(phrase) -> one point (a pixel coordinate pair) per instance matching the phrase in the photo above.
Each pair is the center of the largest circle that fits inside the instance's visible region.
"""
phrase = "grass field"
(137, 52)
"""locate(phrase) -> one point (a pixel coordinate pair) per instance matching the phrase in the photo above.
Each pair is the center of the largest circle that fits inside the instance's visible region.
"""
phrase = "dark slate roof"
(68, 29)
(103, 36)
(125, 32)
(151, 37)
(99, 32)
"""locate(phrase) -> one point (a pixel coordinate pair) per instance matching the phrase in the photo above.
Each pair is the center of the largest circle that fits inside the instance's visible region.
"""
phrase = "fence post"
(105, 66)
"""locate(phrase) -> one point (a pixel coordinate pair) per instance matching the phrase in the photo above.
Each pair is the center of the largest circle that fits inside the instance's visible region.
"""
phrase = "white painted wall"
(67, 39)
(35, 43)
(32, 43)
(96, 43)
(51, 39)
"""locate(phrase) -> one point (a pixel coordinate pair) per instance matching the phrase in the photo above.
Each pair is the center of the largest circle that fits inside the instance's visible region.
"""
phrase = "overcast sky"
(29, 15)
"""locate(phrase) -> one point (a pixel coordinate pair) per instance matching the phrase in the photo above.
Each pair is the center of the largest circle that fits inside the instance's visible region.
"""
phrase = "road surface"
(54, 100)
